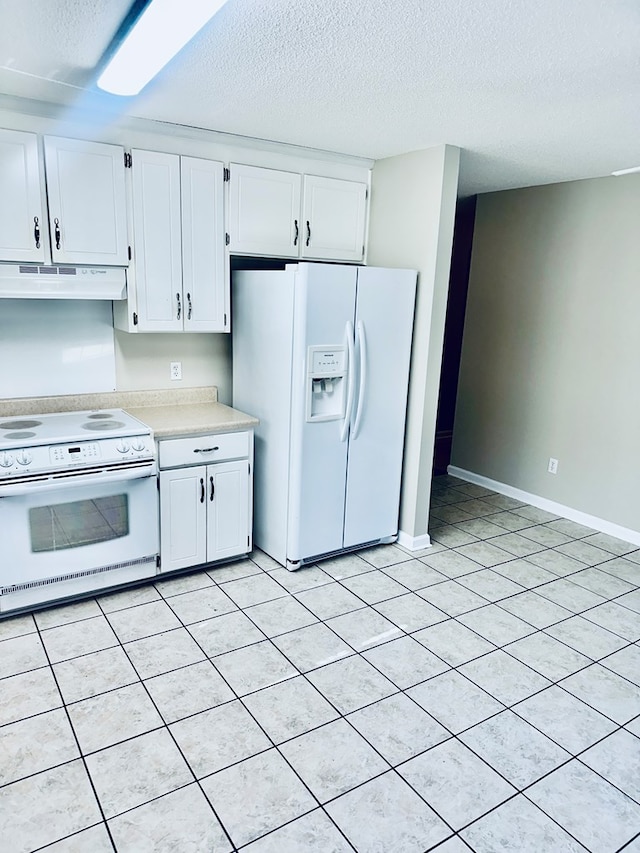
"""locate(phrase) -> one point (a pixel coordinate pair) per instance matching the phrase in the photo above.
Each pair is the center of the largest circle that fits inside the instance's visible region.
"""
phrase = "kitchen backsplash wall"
(53, 347)
(143, 361)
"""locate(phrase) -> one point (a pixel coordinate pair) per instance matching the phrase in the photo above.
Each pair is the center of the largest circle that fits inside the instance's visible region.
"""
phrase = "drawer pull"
(205, 449)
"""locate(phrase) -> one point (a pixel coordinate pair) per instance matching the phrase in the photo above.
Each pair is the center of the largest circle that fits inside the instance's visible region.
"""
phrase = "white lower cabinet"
(205, 509)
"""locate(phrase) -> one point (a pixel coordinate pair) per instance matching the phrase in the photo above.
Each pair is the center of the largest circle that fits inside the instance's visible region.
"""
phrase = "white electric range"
(78, 505)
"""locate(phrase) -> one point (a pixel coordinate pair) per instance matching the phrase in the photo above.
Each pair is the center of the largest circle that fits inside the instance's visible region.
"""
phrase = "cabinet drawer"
(203, 450)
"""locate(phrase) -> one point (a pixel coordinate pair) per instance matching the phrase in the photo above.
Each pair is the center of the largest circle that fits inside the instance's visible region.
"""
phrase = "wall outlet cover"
(175, 370)
(552, 468)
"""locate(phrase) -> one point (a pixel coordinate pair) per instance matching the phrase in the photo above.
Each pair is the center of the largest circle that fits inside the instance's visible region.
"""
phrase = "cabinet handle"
(56, 222)
(179, 305)
(36, 231)
(308, 232)
(201, 490)
(295, 239)
(190, 308)
(205, 449)
(213, 491)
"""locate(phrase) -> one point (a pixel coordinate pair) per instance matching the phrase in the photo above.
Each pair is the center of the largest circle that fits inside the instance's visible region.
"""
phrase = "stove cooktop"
(37, 445)
(65, 427)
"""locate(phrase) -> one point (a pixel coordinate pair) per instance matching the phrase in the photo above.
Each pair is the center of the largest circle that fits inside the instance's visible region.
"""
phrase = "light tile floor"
(481, 695)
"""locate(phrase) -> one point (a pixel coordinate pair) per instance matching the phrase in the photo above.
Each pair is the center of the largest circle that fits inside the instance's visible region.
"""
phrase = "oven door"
(83, 526)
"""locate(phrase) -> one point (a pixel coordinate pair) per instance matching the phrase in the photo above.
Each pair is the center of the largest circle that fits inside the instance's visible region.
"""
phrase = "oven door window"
(77, 523)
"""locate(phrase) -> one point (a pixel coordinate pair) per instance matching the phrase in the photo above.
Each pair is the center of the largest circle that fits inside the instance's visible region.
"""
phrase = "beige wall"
(551, 351)
(142, 361)
(413, 198)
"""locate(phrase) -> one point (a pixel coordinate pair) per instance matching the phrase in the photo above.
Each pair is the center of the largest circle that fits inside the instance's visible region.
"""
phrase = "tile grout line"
(360, 653)
(176, 744)
(79, 748)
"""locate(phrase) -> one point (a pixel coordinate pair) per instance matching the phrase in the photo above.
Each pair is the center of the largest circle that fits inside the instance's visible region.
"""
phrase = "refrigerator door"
(384, 325)
(324, 307)
(262, 363)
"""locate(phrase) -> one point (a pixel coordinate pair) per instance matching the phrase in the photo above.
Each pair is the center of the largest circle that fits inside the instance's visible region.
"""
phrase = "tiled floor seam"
(359, 652)
(627, 846)
(75, 736)
(340, 716)
(556, 683)
(47, 846)
(273, 744)
(178, 747)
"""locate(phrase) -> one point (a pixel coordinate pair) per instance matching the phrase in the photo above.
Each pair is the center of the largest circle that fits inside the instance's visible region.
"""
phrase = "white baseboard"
(414, 543)
(624, 533)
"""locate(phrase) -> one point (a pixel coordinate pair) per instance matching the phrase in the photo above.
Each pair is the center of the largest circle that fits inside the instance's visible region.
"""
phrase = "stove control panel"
(65, 454)
(82, 454)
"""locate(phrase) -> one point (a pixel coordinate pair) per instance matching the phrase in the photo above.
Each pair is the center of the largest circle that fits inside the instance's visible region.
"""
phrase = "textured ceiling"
(533, 92)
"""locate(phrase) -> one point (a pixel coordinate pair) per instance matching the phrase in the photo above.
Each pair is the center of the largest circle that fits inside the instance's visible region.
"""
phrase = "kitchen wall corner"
(413, 202)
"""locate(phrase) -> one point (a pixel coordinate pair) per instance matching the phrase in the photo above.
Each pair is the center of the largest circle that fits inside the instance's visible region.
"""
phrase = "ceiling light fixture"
(163, 29)
(626, 171)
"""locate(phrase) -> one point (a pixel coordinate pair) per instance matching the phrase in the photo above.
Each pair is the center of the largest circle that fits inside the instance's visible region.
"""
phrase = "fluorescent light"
(626, 171)
(159, 33)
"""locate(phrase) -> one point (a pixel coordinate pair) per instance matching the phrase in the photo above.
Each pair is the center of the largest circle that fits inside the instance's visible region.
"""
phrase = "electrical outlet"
(552, 467)
(175, 370)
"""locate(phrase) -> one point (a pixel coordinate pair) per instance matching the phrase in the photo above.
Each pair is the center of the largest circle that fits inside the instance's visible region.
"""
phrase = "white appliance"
(33, 281)
(321, 356)
(78, 505)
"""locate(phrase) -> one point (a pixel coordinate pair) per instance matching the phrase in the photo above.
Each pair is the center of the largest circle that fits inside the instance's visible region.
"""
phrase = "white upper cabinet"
(204, 282)
(333, 219)
(264, 211)
(284, 214)
(87, 202)
(157, 254)
(177, 278)
(22, 225)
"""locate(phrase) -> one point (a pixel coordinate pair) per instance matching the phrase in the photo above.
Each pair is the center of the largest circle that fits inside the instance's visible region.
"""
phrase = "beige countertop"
(192, 419)
(183, 411)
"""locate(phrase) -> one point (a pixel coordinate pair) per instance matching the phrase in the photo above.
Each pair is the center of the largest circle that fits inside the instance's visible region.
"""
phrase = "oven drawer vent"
(21, 587)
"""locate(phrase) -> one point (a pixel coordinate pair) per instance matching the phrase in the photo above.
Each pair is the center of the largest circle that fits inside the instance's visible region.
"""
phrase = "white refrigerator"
(321, 356)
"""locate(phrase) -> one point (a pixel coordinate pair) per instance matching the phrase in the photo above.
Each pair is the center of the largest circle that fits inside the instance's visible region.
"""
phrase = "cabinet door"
(183, 511)
(22, 229)
(333, 221)
(157, 257)
(204, 283)
(228, 517)
(86, 190)
(264, 211)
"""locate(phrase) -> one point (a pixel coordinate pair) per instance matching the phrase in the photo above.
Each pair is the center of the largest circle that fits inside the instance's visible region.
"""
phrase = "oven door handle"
(27, 487)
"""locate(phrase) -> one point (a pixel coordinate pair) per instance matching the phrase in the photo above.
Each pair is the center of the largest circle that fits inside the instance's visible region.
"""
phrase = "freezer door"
(324, 308)
(262, 333)
(384, 326)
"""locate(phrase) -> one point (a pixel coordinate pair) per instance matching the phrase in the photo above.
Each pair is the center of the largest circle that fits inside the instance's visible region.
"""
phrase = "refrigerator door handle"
(349, 335)
(362, 343)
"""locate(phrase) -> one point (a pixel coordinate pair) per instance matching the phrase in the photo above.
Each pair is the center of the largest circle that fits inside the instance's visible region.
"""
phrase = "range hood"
(33, 281)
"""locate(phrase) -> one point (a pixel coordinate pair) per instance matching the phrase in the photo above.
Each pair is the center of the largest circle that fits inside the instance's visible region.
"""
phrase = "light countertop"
(183, 411)
(192, 419)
